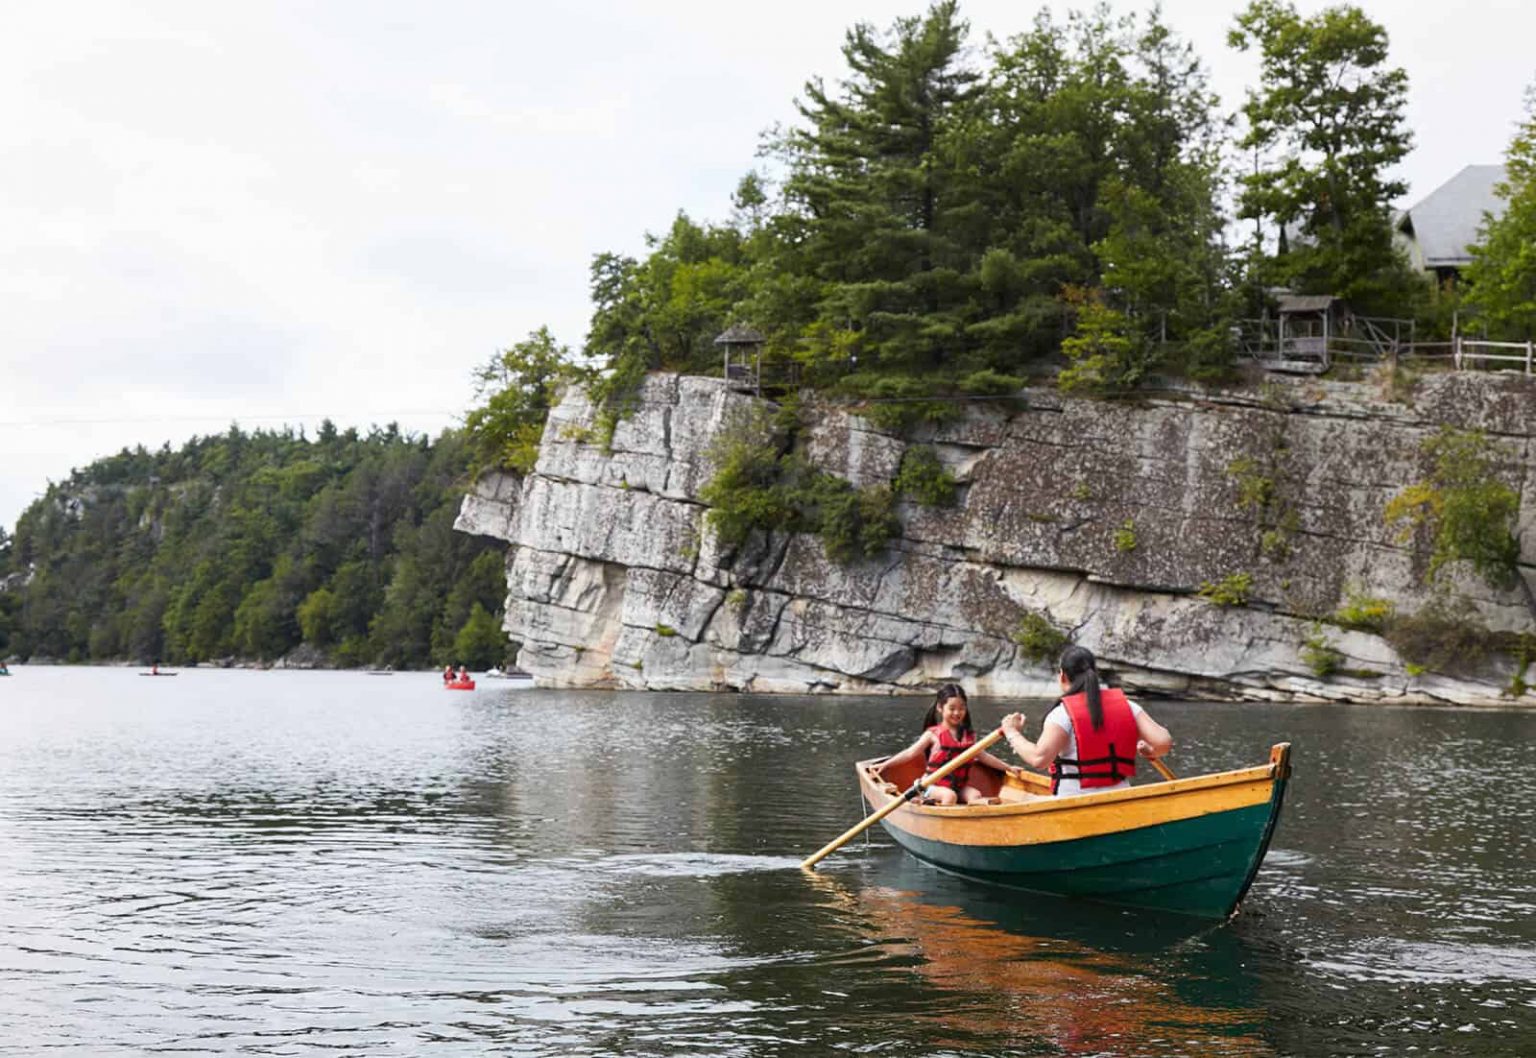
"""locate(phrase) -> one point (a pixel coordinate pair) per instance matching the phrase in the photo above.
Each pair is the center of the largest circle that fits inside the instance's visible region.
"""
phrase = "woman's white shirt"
(1063, 719)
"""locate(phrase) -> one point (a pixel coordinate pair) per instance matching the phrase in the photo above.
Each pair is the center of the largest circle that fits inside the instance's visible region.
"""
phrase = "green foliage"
(1467, 511)
(518, 387)
(1501, 280)
(760, 483)
(1365, 612)
(1125, 537)
(1255, 489)
(665, 631)
(934, 202)
(852, 522)
(1039, 641)
(245, 545)
(1441, 637)
(1320, 654)
(480, 642)
(1326, 125)
(924, 478)
(1524, 650)
(746, 490)
(1104, 356)
(1231, 590)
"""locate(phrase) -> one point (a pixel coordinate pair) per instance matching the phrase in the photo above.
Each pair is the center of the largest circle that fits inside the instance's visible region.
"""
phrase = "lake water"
(294, 863)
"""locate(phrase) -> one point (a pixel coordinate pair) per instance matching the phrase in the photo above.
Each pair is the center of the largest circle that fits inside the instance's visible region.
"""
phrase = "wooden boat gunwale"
(1047, 802)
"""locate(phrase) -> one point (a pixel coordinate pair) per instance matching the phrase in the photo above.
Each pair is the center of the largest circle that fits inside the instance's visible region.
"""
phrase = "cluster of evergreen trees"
(246, 545)
(943, 221)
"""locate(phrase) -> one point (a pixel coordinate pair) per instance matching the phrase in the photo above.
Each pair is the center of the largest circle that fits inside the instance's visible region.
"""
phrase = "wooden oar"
(912, 793)
(1163, 769)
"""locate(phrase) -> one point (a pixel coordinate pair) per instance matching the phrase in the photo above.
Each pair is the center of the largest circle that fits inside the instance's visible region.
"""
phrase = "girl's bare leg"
(972, 796)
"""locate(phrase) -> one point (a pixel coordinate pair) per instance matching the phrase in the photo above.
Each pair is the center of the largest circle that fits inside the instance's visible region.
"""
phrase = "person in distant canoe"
(448, 674)
(947, 733)
(1091, 739)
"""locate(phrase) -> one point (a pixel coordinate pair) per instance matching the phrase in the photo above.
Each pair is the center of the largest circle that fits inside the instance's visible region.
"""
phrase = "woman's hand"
(1146, 749)
(1013, 723)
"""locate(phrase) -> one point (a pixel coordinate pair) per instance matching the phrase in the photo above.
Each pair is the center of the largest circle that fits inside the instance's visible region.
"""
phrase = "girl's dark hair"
(946, 692)
(1078, 666)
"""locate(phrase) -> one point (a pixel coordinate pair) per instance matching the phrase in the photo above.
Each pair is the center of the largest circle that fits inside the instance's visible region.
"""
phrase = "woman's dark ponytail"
(1082, 673)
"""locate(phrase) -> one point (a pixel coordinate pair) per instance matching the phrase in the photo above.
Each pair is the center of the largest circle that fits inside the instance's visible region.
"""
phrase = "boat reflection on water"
(1083, 979)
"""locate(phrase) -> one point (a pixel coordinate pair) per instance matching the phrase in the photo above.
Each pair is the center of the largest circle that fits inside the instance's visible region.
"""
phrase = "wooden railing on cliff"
(1315, 355)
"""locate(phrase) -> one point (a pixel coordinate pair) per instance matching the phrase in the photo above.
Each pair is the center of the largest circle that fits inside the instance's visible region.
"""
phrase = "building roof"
(1445, 222)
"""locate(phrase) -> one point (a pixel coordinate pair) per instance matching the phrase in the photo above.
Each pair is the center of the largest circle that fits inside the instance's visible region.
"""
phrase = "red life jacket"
(1106, 756)
(945, 749)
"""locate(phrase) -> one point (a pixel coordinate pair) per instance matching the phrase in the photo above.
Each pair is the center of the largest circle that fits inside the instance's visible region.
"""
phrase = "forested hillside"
(250, 545)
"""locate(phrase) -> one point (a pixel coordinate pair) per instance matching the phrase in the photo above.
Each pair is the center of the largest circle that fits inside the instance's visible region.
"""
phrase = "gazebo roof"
(741, 335)
(1288, 303)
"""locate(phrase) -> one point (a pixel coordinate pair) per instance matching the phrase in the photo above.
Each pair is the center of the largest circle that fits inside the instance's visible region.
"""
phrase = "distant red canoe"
(459, 685)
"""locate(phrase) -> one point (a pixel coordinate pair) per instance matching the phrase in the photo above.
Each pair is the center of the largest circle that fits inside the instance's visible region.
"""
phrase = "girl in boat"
(947, 733)
(1092, 737)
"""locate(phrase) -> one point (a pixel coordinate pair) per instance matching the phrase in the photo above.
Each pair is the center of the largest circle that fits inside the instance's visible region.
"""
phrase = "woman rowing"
(1091, 739)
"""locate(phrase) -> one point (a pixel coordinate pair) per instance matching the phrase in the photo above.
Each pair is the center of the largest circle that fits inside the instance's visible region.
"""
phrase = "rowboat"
(1191, 846)
(459, 685)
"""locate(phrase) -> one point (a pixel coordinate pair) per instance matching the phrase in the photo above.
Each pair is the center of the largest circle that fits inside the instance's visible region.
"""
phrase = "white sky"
(278, 211)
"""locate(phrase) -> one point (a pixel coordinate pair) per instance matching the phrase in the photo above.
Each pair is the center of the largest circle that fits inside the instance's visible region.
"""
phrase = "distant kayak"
(158, 674)
(380, 672)
(459, 685)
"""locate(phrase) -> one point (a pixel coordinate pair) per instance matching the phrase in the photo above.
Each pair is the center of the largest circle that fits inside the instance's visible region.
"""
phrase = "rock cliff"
(1104, 518)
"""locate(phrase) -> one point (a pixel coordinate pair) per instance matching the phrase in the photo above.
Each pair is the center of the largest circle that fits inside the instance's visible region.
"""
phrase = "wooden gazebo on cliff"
(743, 358)
(1306, 324)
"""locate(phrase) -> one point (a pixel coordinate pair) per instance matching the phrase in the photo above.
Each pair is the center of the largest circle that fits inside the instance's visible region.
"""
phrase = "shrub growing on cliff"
(1255, 489)
(1231, 590)
(1468, 512)
(1440, 636)
(1039, 641)
(1320, 654)
(924, 478)
(1125, 537)
(1364, 612)
(745, 491)
(851, 521)
(758, 484)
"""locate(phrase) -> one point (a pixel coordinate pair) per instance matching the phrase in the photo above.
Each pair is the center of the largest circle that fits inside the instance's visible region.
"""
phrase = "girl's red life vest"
(1106, 756)
(946, 748)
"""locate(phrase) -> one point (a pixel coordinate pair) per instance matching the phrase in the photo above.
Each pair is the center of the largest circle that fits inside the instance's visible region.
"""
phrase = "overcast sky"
(275, 212)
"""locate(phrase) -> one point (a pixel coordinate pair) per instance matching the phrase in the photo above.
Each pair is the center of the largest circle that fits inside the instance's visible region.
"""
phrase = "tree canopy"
(247, 545)
(1502, 276)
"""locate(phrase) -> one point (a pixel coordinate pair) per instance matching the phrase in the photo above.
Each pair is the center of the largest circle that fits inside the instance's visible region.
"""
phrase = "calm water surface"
(298, 863)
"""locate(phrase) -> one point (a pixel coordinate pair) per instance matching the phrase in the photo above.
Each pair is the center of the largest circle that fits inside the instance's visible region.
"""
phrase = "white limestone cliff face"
(615, 580)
